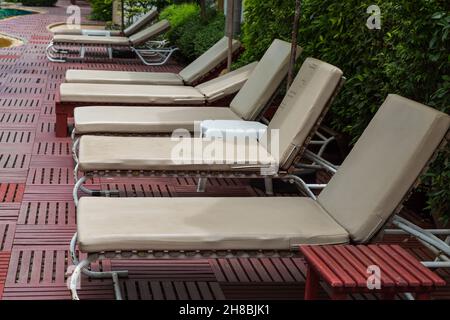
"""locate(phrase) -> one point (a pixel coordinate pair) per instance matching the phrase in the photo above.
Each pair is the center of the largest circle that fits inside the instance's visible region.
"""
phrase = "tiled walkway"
(37, 215)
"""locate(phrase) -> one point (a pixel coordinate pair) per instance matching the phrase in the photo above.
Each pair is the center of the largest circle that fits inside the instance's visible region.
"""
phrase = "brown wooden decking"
(37, 215)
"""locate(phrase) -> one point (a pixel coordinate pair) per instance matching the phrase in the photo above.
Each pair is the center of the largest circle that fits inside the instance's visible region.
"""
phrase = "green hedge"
(38, 3)
(101, 10)
(410, 56)
(139, 7)
(191, 34)
(179, 17)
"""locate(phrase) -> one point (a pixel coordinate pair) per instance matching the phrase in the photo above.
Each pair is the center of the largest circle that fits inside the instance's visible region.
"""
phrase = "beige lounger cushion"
(210, 91)
(145, 119)
(383, 165)
(149, 33)
(108, 224)
(100, 40)
(165, 153)
(78, 31)
(141, 22)
(264, 81)
(123, 77)
(227, 84)
(122, 93)
(303, 104)
(207, 61)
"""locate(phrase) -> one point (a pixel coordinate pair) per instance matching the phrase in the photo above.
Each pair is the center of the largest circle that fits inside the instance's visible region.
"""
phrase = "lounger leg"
(268, 183)
(423, 296)
(61, 124)
(82, 267)
(110, 55)
(388, 296)
(312, 284)
(338, 296)
(76, 276)
(82, 52)
(201, 184)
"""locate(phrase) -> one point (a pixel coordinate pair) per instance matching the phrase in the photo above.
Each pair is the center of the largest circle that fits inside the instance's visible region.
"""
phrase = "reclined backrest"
(227, 84)
(264, 81)
(149, 32)
(383, 166)
(209, 60)
(301, 108)
(141, 22)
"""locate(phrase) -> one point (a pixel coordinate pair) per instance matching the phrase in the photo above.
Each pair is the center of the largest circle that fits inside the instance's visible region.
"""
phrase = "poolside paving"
(37, 214)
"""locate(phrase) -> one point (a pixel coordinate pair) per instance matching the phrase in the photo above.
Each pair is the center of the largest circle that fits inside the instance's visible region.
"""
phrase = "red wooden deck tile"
(16, 137)
(9, 211)
(13, 165)
(7, 233)
(43, 235)
(257, 270)
(13, 102)
(14, 161)
(4, 262)
(171, 290)
(170, 270)
(98, 291)
(11, 192)
(59, 213)
(54, 147)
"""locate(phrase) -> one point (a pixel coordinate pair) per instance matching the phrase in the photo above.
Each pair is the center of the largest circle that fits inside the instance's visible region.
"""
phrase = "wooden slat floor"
(37, 215)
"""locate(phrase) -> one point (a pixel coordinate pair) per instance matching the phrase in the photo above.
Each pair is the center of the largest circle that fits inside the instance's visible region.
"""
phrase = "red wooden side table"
(384, 269)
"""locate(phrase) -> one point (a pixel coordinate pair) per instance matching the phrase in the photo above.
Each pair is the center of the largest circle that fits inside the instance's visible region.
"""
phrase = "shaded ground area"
(37, 215)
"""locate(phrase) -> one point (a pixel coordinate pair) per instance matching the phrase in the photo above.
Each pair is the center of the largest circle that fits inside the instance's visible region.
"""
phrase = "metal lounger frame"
(81, 267)
(427, 237)
(156, 51)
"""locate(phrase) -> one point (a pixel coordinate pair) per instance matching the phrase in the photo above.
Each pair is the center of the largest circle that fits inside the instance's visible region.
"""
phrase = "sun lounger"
(269, 73)
(190, 75)
(368, 189)
(295, 121)
(57, 50)
(138, 25)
